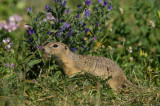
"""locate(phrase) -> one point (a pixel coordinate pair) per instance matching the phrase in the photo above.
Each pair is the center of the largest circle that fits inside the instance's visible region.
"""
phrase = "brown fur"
(98, 66)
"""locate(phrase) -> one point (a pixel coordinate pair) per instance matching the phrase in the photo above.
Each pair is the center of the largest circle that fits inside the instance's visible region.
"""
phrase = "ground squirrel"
(98, 66)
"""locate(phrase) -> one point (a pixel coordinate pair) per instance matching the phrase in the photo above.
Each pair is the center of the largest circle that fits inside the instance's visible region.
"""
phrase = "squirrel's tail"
(129, 84)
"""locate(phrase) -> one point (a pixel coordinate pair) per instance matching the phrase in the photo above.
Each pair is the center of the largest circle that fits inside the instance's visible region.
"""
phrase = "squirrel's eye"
(55, 45)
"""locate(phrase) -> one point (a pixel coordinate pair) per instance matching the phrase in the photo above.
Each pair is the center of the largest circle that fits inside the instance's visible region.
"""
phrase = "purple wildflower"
(98, 24)
(60, 20)
(70, 30)
(95, 37)
(30, 31)
(88, 2)
(73, 49)
(78, 16)
(87, 13)
(62, 29)
(7, 40)
(67, 11)
(99, 1)
(83, 46)
(110, 7)
(7, 65)
(87, 30)
(39, 47)
(34, 80)
(69, 34)
(10, 43)
(63, 36)
(96, 8)
(105, 3)
(12, 65)
(40, 25)
(7, 43)
(48, 33)
(17, 18)
(29, 9)
(47, 7)
(8, 47)
(64, 3)
(36, 19)
(79, 6)
(81, 22)
(57, 34)
(66, 25)
(84, 25)
(101, 30)
(14, 22)
(49, 16)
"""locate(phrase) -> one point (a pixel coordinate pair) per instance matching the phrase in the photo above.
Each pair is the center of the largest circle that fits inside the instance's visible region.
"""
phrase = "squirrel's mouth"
(46, 50)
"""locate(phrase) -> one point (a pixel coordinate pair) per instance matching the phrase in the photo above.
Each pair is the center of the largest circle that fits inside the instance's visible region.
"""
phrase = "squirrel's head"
(56, 49)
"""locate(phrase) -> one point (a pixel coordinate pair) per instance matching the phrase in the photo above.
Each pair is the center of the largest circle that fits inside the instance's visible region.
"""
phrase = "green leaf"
(33, 62)
(41, 15)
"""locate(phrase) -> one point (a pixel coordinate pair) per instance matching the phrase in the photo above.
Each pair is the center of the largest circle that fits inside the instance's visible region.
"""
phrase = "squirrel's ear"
(65, 47)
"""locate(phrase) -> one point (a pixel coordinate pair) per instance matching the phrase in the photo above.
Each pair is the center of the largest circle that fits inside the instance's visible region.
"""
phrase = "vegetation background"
(132, 41)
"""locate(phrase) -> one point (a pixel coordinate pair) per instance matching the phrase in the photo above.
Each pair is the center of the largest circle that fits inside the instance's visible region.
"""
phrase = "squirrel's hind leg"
(115, 84)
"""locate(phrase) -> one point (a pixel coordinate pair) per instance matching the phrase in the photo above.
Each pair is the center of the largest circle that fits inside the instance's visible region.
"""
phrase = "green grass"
(57, 89)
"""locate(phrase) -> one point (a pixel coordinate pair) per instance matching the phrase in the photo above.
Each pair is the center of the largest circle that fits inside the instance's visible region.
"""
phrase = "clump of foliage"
(78, 29)
(137, 39)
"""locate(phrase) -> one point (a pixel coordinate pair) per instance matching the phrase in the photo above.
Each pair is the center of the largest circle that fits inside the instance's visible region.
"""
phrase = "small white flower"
(12, 19)
(5, 25)
(26, 26)
(12, 65)
(130, 50)
(152, 24)
(6, 40)
(121, 10)
(17, 18)
(8, 46)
